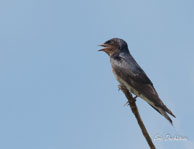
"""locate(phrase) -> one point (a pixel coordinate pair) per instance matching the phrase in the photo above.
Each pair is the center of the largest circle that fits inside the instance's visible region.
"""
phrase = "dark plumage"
(130, 75)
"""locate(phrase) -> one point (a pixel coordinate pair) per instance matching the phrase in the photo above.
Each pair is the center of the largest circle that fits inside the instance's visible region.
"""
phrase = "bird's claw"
(135, 97)
(126, 104)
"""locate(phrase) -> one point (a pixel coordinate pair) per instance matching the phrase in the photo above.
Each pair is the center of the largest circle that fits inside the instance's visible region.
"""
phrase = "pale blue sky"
(58, 92)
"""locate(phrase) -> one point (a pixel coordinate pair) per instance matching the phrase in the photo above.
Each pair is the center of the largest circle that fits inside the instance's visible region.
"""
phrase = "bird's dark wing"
(128, 66)
(141, 77)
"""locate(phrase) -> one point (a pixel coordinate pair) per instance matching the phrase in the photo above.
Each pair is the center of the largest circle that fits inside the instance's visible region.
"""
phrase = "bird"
(130, 75)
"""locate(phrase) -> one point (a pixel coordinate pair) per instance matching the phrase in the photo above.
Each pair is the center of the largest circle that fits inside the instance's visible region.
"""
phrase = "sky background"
(58, 92)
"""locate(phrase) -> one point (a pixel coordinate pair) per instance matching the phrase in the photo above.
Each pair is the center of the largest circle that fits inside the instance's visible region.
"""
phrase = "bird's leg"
(135, 97)
(119, 87)
(126, 104)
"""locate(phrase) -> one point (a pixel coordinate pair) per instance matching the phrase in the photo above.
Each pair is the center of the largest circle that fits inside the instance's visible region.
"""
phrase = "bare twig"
(135, 111)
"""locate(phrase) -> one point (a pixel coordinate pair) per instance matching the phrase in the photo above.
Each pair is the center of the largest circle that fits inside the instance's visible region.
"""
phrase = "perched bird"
(130, 75)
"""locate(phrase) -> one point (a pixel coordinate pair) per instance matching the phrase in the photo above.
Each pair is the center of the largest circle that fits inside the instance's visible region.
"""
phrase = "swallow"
(130, 75)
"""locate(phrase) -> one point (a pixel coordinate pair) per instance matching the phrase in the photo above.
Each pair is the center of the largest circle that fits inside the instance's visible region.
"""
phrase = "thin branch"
(135, 111)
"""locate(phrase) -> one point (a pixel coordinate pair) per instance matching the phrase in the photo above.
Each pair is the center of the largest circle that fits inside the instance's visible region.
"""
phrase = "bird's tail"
(167, 110)
(163, 111)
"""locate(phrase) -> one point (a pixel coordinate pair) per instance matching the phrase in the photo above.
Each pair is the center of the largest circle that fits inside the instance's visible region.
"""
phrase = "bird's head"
(114, 45)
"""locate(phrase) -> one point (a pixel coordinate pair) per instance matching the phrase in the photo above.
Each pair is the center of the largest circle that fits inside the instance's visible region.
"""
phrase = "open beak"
(103, 45)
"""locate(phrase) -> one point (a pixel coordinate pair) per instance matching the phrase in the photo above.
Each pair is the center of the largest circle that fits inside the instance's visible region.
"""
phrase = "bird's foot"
(126, 104)
(119, 87)
(135, 97)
